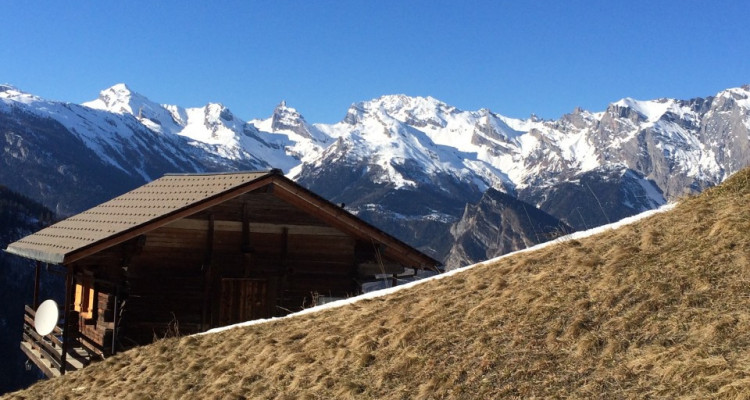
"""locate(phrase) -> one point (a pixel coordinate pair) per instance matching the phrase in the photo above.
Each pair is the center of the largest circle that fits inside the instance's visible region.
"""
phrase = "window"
(84, 302)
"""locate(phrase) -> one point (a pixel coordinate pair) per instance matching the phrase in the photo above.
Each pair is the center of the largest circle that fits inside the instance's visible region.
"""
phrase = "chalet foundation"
(186, 253)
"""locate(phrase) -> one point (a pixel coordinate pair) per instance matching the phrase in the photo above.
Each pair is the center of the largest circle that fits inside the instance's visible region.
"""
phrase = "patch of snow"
(652, 110)
(740, 95)
(576, 149)
(654, 197)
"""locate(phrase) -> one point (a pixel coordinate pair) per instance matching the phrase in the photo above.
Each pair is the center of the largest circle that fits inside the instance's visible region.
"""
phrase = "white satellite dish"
(46, 317)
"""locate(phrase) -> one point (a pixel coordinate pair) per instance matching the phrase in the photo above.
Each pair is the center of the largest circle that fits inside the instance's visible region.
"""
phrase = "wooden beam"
(52, 338)
(256, 227)
(45, 349)
(34, 355)
(284, 247)
(91, 346)
(69, 292)
(208, 276)
(37, 272)
(367, 269)
(115, 310)
(246, 247)
(283, 280)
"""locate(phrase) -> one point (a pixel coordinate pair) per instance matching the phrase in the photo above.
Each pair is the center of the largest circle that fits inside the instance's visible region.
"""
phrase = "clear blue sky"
(513, 57)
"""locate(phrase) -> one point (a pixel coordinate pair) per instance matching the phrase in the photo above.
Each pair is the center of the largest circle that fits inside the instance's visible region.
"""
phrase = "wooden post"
(246, 247)
(69, 292)
(114, 321)
(36, 284)
(284, 246)
(285, 270)
(208, 276)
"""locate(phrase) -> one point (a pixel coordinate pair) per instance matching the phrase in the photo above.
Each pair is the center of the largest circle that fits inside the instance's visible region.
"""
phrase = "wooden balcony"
(47, 351)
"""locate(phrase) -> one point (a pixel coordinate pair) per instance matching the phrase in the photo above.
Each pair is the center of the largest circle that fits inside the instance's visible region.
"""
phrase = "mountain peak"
(120, 87)
(416, 111)
(217, 111)
(117, 91)
(649, 110)
(4, 87)
(393, 102)
(740, 95)
(120, 99)
(11, 92)
(287, 118)
(283, 109)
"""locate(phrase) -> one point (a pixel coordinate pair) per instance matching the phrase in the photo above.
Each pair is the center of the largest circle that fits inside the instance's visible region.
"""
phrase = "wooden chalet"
(189, 252)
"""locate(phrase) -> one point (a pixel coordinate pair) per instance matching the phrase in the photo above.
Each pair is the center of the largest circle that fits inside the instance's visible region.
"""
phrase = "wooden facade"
(256, 247)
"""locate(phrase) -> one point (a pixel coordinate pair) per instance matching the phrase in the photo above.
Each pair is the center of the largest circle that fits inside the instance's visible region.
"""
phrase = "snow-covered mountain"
(586, 168)
(213, 129)
(408, 164)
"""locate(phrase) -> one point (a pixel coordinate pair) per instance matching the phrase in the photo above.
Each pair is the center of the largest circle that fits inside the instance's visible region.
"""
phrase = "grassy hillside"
(657, 309)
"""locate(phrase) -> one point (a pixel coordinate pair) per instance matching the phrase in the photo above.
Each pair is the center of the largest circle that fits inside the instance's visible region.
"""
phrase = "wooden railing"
(47, 351)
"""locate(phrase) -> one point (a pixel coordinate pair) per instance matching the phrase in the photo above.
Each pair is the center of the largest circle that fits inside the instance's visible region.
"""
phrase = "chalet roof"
(176, 196)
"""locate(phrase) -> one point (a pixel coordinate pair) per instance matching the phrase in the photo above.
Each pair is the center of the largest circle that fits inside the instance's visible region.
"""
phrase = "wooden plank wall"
(319, 265)
(165, 284)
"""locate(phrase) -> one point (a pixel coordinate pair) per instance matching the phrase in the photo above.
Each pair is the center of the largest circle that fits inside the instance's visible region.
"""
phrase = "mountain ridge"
(395, 151)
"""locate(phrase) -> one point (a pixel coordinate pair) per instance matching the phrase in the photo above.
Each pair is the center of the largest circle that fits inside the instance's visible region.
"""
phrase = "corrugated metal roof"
(147, 204)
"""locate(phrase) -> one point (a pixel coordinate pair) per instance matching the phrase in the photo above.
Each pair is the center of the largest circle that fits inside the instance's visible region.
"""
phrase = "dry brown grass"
(658, 309)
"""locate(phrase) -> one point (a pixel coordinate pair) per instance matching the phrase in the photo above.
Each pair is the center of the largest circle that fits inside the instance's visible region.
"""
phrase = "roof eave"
(51, 258)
